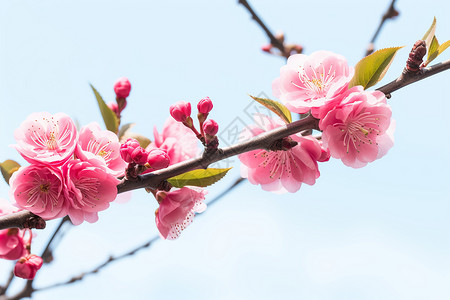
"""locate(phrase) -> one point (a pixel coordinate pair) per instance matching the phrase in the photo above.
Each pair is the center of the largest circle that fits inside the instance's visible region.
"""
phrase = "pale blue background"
(381, 232)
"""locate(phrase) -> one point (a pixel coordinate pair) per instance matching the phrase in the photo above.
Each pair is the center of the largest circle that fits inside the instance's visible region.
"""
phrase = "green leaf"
(432, 51)
(439, 50)
(278, 108)
(428, 37)
(200, 177)
(109, 117)
(124, 129)
(8, 167)
(372, 68)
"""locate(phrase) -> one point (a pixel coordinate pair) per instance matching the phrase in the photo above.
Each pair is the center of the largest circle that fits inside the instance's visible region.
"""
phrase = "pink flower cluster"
(356, 124)
(71, 173)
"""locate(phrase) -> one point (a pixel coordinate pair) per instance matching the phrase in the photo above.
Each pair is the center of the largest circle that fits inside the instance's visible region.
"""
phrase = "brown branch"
(22, 219)
(390, 13)
(406, 79)
(273, 40)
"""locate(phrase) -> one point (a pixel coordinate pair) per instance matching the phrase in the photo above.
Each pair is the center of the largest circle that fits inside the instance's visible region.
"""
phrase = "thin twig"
(134, 250)
(390, 13)
(273, 40)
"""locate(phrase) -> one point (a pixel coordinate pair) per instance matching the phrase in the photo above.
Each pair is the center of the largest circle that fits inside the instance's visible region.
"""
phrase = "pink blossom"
(205, 105)
(39, 189)
(282, 171)
(158, 159)
(356, 131)
(177, 209)
(178, 141)
(12, 243)
(210, 127)
(122, 87)
(101, 148)
(312, 82)
(180, 111)
(45, 138)
(90, 189)
(27, 266)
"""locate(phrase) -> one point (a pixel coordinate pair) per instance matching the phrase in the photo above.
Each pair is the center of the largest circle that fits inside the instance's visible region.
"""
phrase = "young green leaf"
(8, 167)
(109, 117)
(441, 48)
(372, 68)
(278, 108)
(432, 50)
(200, 177)
(428, 37)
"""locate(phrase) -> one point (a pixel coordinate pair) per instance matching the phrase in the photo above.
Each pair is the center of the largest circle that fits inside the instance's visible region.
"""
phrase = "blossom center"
(45, 187)
(360, 130)
(315, 82)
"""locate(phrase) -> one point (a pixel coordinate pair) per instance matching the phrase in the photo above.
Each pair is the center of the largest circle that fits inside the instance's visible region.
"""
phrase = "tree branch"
(22, 219)
(390, 13)
(273, 40)
(406, 79)
(263, 141)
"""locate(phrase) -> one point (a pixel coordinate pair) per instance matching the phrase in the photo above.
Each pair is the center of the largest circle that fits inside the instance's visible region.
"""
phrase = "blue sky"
(381, 232)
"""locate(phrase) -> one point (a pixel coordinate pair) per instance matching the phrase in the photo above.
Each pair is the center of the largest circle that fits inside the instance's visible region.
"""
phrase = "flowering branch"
(390, 13)
(273, 40)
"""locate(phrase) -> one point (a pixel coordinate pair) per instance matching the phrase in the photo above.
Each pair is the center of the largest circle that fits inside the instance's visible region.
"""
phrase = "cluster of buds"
(181, 112)
(140, 160)
(122, 88)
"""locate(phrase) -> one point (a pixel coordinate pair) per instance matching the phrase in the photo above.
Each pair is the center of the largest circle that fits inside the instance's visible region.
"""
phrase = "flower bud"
(114, 107)
(158, 159)
(139, 156)
(180, 111)
(27, 266)
(122, 87)
(205, 105)
(210, 127)
(266, 48)
(127, 148)
(12, 244)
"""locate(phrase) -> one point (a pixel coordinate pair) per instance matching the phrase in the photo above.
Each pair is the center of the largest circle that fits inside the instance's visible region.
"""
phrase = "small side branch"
(273, 40)
(390, 13)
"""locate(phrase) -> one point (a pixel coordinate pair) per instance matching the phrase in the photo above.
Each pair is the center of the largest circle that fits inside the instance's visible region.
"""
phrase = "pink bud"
(205, 105)
(210, 127)
(122, 87)
(114, 107)
(180, 111)
(158, 159)
(139, 156)
(127, 148)
(267, 48)
(27, 266)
